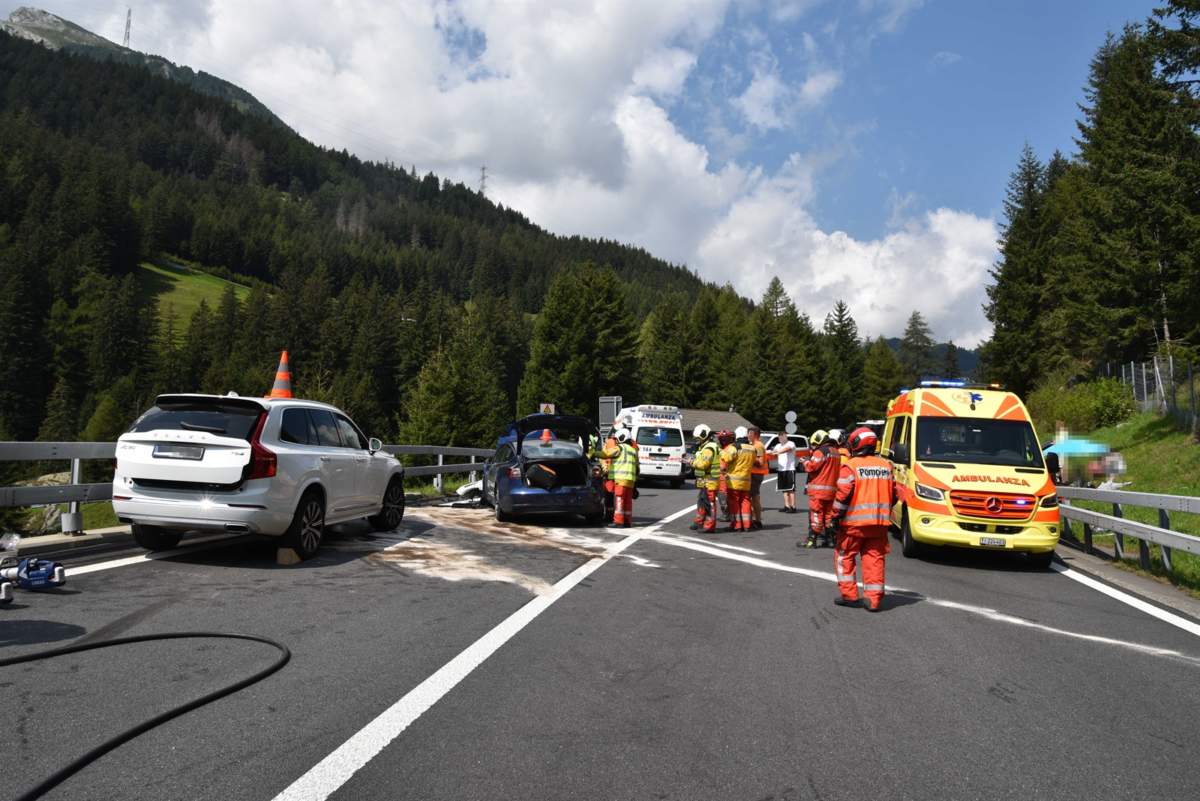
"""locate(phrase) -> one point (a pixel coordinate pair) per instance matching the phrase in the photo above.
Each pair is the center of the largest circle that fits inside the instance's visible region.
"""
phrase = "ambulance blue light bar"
(958, 383)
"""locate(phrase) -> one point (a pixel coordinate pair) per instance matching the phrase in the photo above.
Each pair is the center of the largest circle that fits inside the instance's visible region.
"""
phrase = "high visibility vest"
(826, 465)
(625, 466)
(865, 492)
(707, 465)
(739, 471)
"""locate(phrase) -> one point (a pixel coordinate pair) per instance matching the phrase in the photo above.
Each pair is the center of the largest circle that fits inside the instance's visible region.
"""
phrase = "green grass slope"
(180, 288)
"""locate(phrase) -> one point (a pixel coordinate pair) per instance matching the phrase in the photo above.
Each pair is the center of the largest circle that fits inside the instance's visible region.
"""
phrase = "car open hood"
(569, 424)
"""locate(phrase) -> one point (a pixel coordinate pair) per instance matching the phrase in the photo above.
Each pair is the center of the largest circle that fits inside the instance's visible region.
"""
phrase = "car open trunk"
(552, 473)
(189, 442)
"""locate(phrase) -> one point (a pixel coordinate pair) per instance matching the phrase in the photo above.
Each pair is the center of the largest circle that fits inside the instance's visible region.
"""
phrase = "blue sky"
(934, 113)
(857, 149)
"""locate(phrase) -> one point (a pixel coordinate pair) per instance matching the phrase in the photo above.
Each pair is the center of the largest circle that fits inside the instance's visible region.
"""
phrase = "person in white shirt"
(785, 451)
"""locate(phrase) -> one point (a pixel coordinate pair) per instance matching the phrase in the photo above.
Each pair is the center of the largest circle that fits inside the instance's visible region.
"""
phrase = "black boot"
(840, 601)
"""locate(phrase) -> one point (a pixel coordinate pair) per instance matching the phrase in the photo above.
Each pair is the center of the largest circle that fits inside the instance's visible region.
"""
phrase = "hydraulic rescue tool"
(28, 573)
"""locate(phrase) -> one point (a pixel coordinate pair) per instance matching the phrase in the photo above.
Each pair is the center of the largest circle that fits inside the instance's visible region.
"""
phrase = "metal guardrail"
(1145, 533)
(77, 492)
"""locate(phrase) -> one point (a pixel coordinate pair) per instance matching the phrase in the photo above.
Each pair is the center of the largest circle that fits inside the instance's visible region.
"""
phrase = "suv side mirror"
(374, 444)
(900, 453)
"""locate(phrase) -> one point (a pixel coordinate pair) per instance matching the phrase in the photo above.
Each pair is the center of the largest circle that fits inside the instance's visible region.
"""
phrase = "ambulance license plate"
(994, 542)
(193, 452)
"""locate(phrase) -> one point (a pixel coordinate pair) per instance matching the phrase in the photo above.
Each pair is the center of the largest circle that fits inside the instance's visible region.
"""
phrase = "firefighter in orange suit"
(822, 469)
(863, 507)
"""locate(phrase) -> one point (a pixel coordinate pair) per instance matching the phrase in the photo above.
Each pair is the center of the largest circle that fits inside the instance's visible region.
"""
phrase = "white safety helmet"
(837, 436)
(702, 432)
(622, 435)
(740, 432)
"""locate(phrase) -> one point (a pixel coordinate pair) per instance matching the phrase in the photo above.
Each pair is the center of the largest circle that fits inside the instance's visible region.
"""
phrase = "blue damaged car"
(542, 465)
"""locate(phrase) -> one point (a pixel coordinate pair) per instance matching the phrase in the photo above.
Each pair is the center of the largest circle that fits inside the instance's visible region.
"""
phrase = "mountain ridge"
(58, 33)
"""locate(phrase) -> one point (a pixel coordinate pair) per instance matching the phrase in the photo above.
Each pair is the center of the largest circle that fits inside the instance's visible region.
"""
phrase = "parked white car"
(276, 466)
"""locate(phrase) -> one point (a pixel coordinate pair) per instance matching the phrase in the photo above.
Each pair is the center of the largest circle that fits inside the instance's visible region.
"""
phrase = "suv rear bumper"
(208, 514)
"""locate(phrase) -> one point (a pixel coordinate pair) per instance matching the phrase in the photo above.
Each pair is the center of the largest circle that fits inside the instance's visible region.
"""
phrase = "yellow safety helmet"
(818, 437)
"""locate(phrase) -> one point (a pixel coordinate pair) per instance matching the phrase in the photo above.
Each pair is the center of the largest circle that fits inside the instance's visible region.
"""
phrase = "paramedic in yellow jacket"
(623, 473)
(707, 466)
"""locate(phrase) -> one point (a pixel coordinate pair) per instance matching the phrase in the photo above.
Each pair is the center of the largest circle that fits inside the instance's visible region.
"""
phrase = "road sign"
(791, 428)
(545, 408)
(791, 418)
(610, 407)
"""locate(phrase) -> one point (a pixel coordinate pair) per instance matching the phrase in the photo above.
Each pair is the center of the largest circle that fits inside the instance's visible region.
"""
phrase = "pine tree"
(61, 422)
(1139, 143)
(916, 349)
(662, 356)
(459, 398)
(584, 344)
(883, 378)
(1013, 299)
(950, 368)
(843, 369)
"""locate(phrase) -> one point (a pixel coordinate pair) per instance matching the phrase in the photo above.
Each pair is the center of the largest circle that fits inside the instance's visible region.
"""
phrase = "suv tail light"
(514, 471)
(262, 460)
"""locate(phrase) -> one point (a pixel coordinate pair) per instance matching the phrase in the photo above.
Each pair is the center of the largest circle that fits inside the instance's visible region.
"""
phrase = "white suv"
(281, 467)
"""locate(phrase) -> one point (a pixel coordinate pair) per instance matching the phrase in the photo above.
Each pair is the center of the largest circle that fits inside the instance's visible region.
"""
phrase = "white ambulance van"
(658, 432)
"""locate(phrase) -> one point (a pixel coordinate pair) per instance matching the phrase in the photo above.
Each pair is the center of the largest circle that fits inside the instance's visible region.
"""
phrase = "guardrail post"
(437, 480)
(1065, 522)
(1087, 538)
(71, 521)
(1164, 521)
(473, 476)
(1118, 538)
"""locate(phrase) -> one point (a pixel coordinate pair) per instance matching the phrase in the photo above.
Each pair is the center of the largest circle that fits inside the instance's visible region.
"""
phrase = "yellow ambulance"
(969, 471)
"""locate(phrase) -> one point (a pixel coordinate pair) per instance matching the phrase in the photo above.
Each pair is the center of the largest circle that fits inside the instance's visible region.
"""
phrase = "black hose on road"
(103, 748)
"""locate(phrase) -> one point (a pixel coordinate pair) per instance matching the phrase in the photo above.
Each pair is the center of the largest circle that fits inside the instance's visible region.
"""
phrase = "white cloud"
(890, 14)
(818, 86)
(567, 105)
(663, 73)
(944, 58)
(760, 102)
(937, 263)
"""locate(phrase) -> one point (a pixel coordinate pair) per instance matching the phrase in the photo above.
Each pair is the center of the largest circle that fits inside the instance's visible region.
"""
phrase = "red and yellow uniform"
(737, 460)
(822, 468)
(864, 501)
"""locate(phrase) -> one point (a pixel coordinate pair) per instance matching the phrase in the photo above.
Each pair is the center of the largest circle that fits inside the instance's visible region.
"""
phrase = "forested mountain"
(61, 34)
(1100, 253)
(426, 310)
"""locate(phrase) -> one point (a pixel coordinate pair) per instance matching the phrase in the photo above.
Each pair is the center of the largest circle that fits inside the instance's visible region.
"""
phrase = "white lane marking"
(328, 775)
(198, 544)
(722, 545)
(994, 614)
(991, 614)
(1137, 603)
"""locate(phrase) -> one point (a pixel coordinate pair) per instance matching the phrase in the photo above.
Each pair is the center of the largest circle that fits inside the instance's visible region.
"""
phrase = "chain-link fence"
(1163, 384)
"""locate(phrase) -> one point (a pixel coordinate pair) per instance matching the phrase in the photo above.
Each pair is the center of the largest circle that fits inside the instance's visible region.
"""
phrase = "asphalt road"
(511, 662)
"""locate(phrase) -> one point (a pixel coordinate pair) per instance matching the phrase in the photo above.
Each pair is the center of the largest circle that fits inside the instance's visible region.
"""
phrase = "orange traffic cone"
(283, 379)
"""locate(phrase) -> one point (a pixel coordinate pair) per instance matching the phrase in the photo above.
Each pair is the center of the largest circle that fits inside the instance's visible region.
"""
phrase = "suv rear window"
(215, 418)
